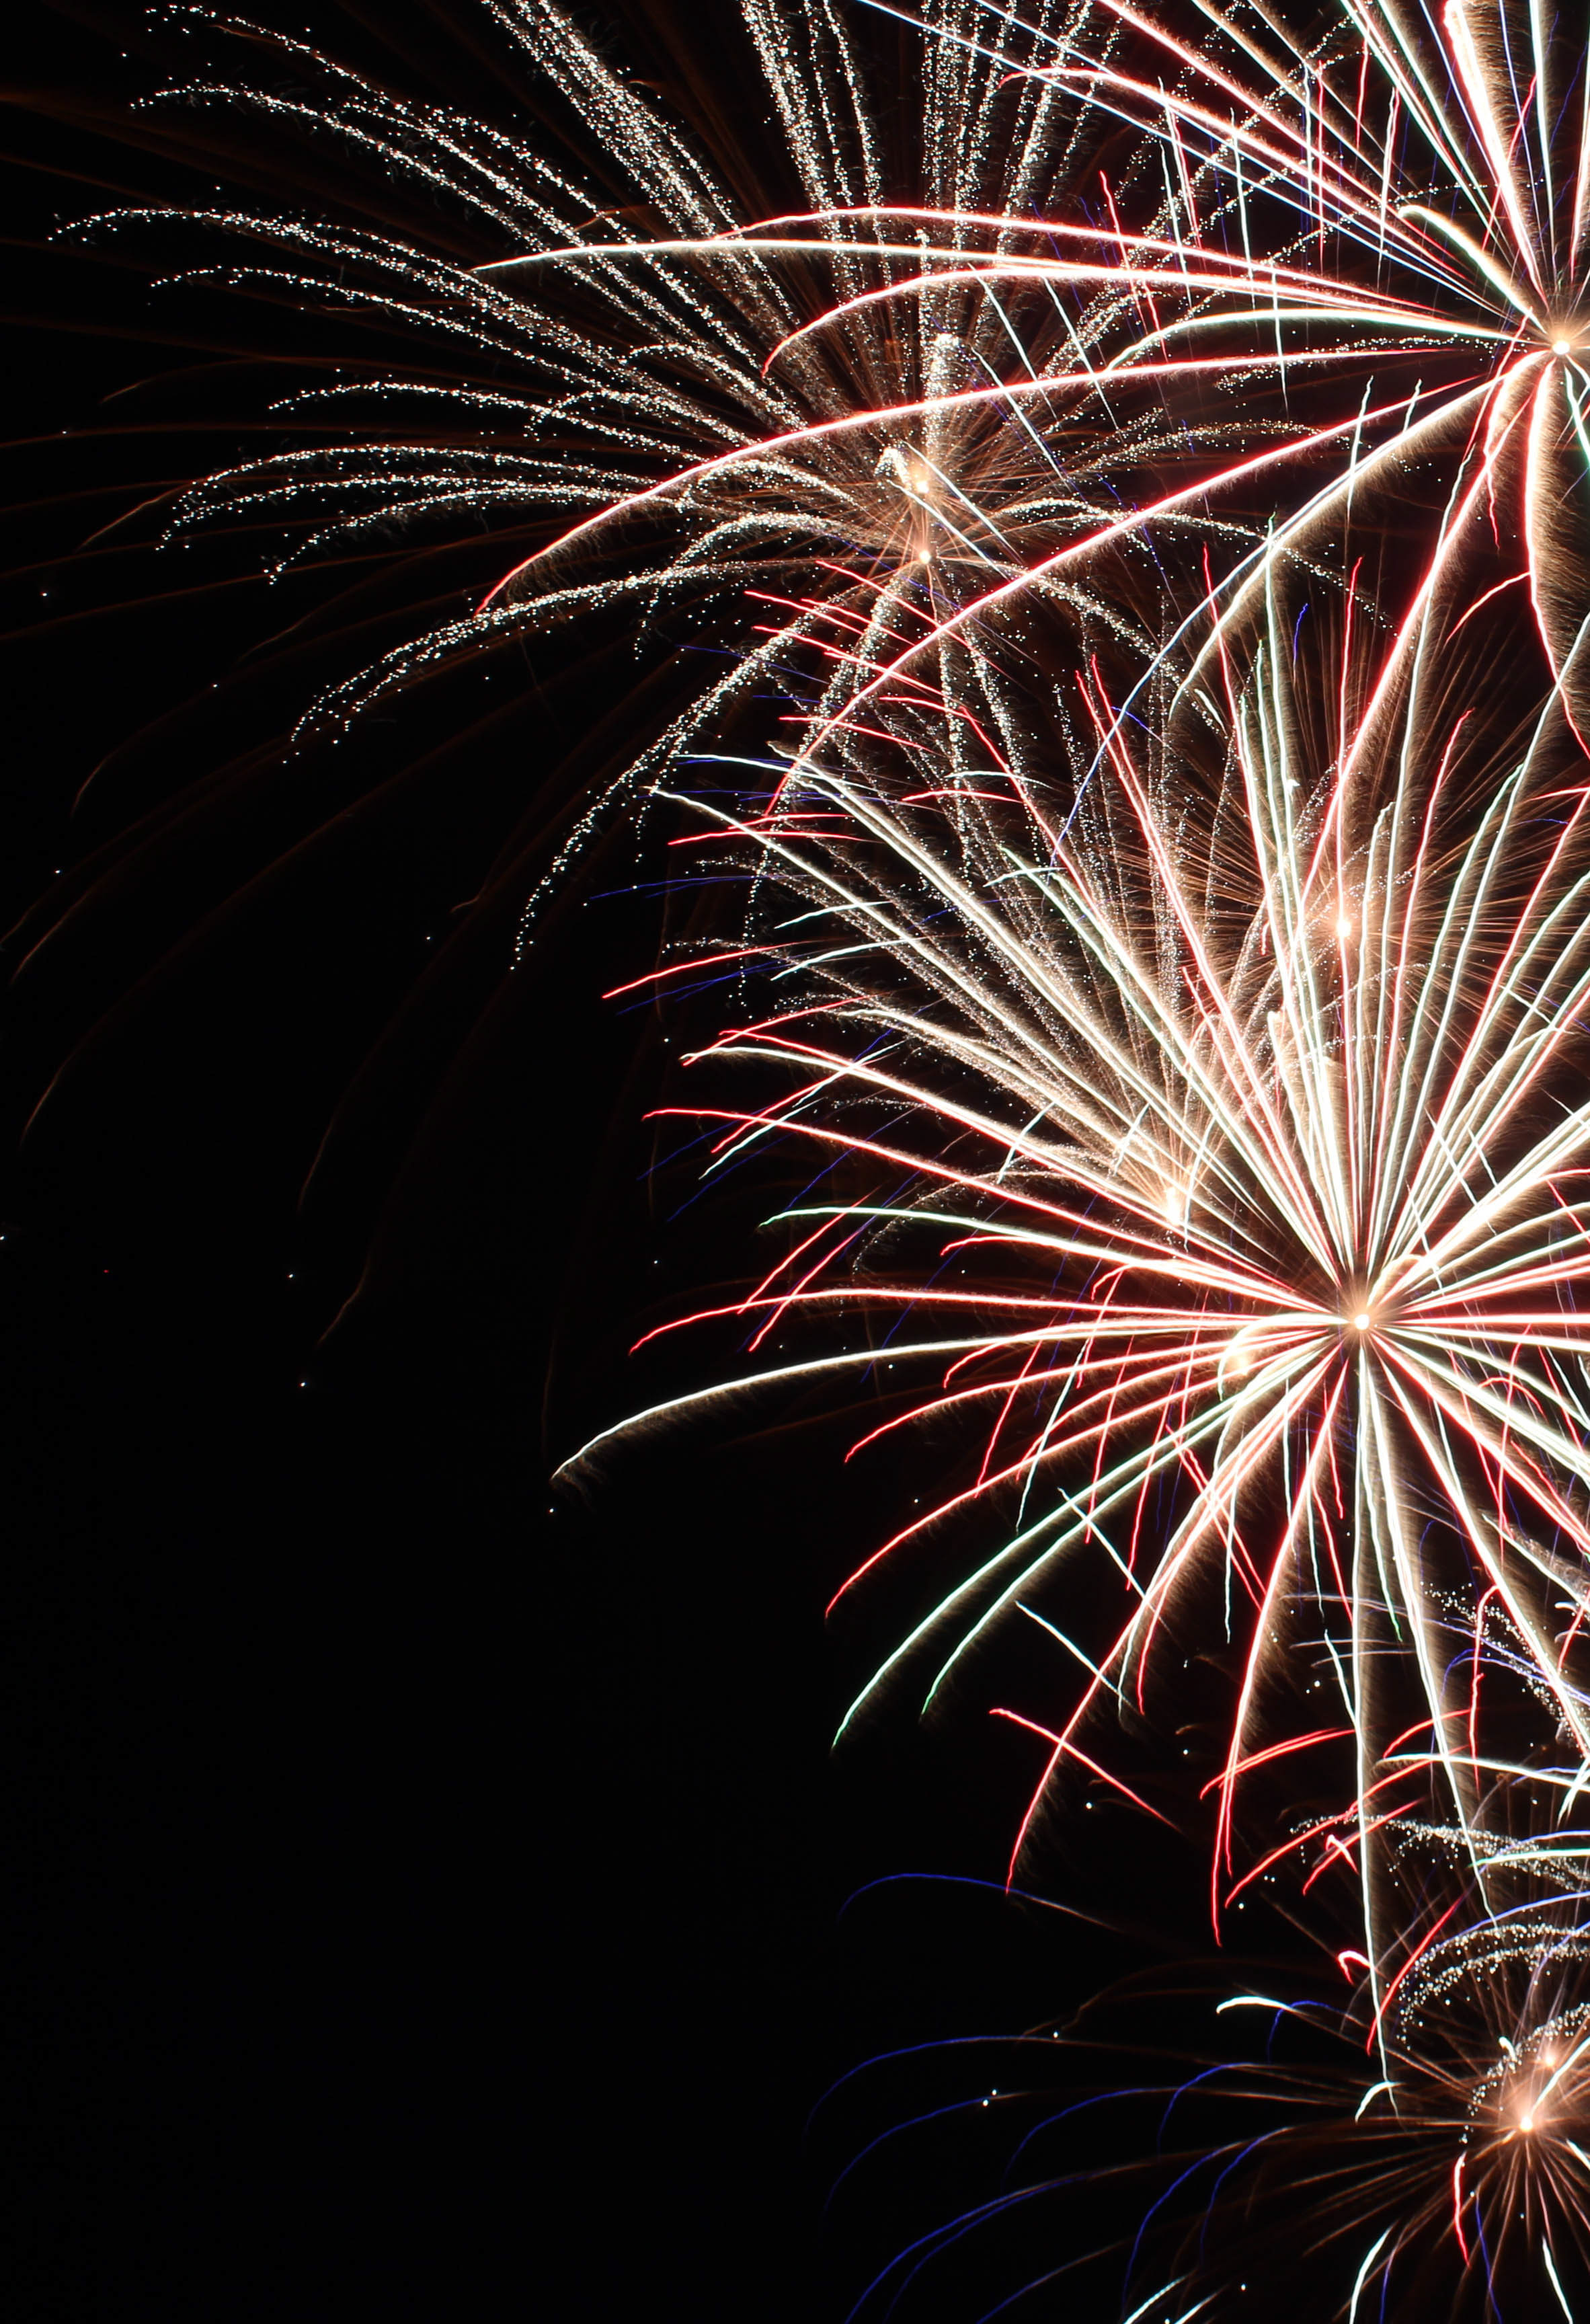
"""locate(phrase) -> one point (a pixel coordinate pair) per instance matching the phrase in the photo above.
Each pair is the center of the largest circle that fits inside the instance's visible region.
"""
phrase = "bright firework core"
(1538, 2088)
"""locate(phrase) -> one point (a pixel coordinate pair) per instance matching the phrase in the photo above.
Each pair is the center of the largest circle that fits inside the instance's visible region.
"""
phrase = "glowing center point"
(1344, 926)
(1360, 1322)
(1562, 346)
(1526, 2122)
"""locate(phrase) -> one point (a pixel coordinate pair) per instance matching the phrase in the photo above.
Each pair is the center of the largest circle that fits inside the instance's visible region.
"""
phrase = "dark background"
(424, 1889)
(419, 1893)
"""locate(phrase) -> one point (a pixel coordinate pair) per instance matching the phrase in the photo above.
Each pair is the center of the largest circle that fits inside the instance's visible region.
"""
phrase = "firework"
(1442, 2148)
(445, 416)
(665, 387)
(1176, 2145)
(1081, 528)
(1224, 1172)
(1372, 249)
(901, 418)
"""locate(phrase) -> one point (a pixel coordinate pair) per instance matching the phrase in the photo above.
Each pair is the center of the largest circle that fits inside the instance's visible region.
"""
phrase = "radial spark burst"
(1211, 1127)
(1143, 474)
(1444, 2150)
(1179, 2144)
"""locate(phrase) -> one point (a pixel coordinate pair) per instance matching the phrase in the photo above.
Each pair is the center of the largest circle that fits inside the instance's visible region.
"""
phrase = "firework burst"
(666, 387)
(1195, 1060)
(1230, 1089)
(1442, 2150)
(1152, 2155)
(1372, 247)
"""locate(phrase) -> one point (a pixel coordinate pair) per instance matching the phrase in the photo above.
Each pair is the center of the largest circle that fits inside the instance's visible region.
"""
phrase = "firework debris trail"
(1159, 508)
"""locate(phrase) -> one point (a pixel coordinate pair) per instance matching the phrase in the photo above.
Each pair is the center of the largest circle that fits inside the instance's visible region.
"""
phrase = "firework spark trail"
(1217, 1034)
(923, 449)
(936, 447)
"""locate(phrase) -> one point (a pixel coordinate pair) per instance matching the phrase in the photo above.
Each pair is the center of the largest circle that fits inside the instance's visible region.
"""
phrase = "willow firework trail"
(1007, 371)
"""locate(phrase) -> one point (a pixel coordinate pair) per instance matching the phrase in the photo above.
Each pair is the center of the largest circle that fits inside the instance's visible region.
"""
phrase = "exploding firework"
(1447, 2171)
(862, 481)
(449, 412)
(1373, 245)
(1194, 1060)
(1427, 2155)
(1214, 1111)
(960, 370)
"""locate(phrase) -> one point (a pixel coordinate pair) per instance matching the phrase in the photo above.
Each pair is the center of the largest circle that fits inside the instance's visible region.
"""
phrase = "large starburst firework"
(1216, 1111)
(1375, 238)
